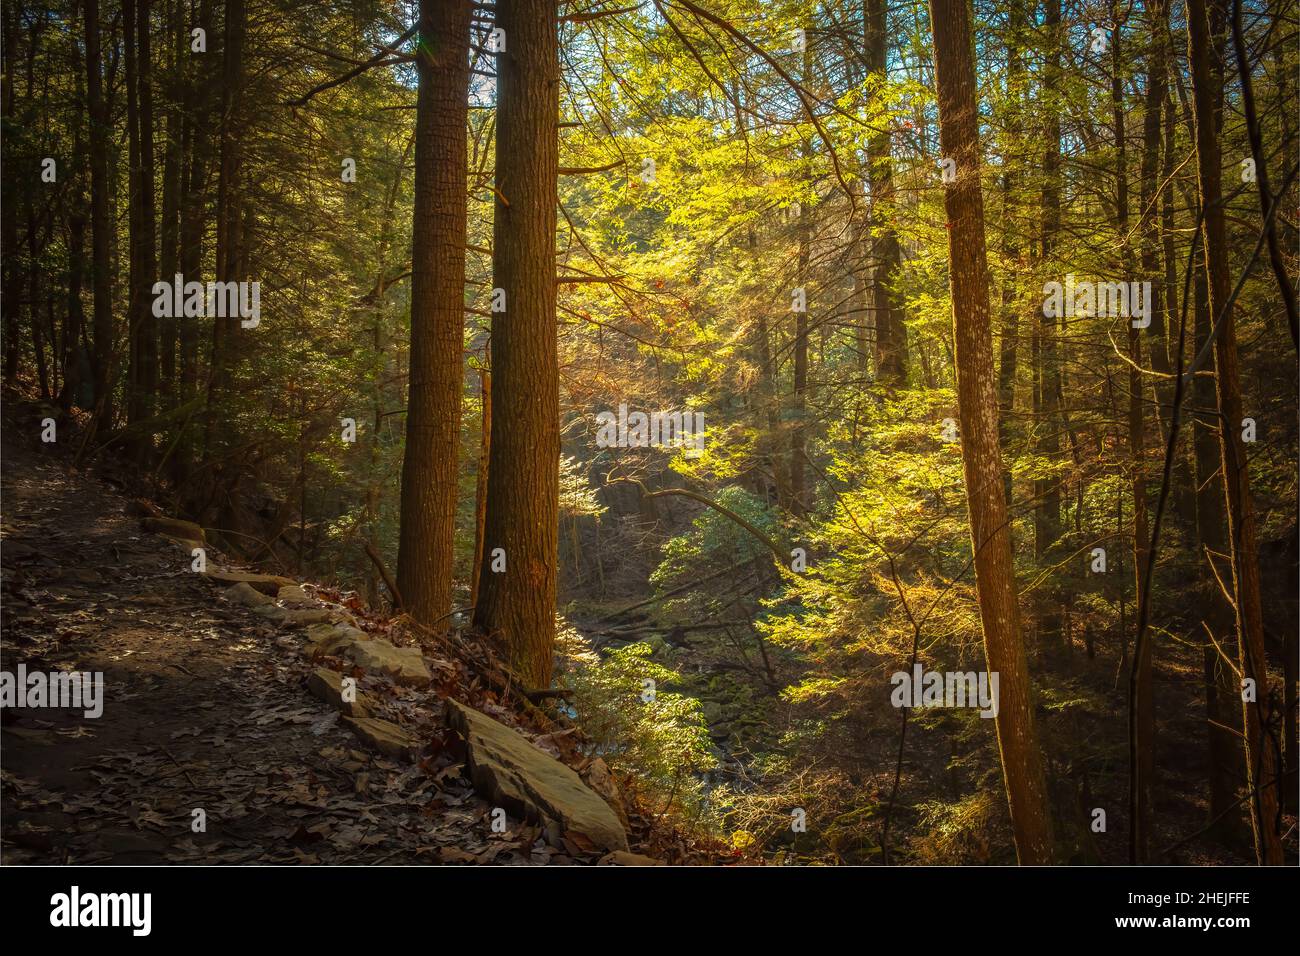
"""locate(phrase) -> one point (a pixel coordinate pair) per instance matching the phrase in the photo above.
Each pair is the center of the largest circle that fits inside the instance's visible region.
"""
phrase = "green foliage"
(660, 745)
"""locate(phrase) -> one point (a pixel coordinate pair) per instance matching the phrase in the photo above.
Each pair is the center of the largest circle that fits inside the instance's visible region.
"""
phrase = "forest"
(835, 432)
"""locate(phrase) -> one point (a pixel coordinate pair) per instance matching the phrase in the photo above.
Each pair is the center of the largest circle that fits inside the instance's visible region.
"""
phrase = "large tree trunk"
(982, 462)
(1008, 343)
(131, 71)
(1261, 763)
(1141, 703)
(101, 223)
(891, 335)
(517, 605)
(12, 295)
(799, 399)
(429, 485)
(225, 330)
(169, 232)
(144, 327)
(480, 481)
(1222, 717)
(1045, 348)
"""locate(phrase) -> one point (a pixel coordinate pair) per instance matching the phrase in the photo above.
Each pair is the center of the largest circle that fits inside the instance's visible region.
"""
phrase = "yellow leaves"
(813, 690)
(742, 840)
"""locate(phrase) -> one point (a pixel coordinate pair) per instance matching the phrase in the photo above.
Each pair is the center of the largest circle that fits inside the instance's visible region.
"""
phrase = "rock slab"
(384, 736)
(174, 528)
(509, 771)
(328, 686)
(405, 665)
(266, 583)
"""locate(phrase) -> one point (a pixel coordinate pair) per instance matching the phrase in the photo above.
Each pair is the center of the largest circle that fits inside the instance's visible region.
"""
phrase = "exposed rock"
(405, 665)
(294, 594)
(328, 686)
(174, 528)
(266, 583)
(508, 770)
(384, 736)
(242, 593)
(288, 617)
(624, 858)
(332, 638)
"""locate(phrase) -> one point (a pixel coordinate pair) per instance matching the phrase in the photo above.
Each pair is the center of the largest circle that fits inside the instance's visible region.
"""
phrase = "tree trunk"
(799, 400)
(517, 605)
(480, 483)
(1261, 763)
(1217, 617)
(1009, 338)
(891, 335)
(224, 330)
(101, 222)
(982, 462)
(144, 327)
(1141, 703)
(428, 520)
(1046, 345)
(169, 233)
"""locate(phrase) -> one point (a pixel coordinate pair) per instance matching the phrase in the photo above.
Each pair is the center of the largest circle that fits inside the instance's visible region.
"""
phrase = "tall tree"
(1222, 716)
(101, 224)
(428, 515)
(1022, 764)
(517, 605)
(1205, 25)
(891, 334)
(227, 213)
(143, 375)
(1141, 696)
(1046, 350)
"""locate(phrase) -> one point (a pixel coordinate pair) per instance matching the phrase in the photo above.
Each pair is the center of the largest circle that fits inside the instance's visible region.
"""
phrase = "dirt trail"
(204, 709)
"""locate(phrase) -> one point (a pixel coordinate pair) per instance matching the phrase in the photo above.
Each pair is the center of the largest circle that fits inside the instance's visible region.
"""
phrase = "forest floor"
(204, 709)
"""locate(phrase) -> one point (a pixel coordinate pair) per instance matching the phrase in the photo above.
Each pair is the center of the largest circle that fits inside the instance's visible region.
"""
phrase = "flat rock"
(509, 771)
(332, 638)
(384, 736)
(243, 593)
(328, 686)
(174, 528)
(294, 594)
(405, 665)
(266, 583)
(290, 617)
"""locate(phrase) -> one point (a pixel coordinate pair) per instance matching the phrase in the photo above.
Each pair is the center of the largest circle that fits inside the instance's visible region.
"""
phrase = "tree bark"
(480, 483)
(1222, 718)
(1204, 29)
(1141, 703)
(518, 604)
(227, 215)
(977, 403)
(1045, 348)
(429, 474)
(144, 327)
(891, 335)
(101, 223)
